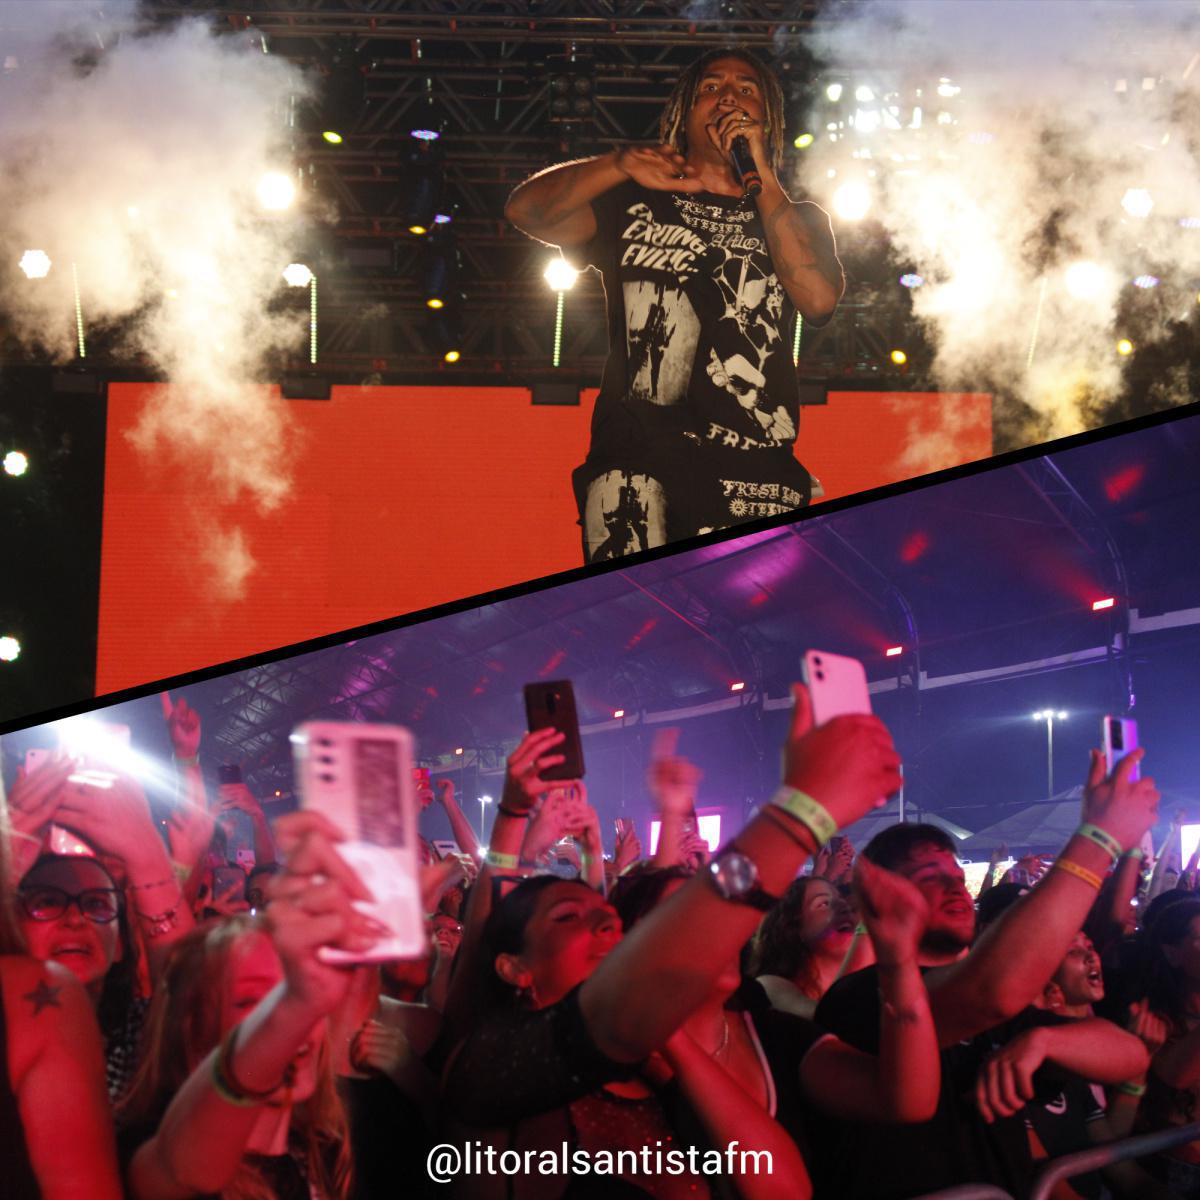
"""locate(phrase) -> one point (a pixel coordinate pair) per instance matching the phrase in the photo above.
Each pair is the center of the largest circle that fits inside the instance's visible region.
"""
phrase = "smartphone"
(229, 879)
(1120, 738)
(551, 705)
(63, 841)
(360, 776)
(836, 685)
(445, 847)
(35, 758)
(621, 824)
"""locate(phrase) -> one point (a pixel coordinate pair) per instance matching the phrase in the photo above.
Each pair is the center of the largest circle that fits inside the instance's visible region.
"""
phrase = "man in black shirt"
(975, 989)
(696, 420)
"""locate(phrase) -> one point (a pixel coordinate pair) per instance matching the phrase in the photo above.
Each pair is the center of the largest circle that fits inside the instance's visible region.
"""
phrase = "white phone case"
(1120, 739)
(836, 684)
(360, 776)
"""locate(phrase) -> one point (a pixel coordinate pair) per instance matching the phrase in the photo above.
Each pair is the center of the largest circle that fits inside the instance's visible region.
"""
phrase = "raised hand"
(312, 906)
(894, 911)
(1123, 807)
(848, 764)
(561, 814)
(379, 1047)
(672, 780)
(660, 168)
(1148, 1026)
(189, 831)
(627, 850)
(729, 123)
(114, 819)
(238, 796)
(523, 783)
(35, 796)
(183, 726)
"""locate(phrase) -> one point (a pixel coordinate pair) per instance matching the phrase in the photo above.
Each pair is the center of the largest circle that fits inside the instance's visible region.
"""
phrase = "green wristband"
(1104, 840)
(808, 812)
(1136, 852)
(1131, 1089)
(506, 862)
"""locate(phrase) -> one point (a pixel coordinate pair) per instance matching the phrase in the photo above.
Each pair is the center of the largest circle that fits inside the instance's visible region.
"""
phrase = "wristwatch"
(735, 878)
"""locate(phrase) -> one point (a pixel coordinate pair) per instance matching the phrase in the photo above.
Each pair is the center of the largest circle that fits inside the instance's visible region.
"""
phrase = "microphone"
(744, 168)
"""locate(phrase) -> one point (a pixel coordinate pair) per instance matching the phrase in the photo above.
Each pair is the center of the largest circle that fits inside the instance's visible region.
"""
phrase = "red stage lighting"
(894, 651)
(618, 713)
(1107, 602)
(736, 687)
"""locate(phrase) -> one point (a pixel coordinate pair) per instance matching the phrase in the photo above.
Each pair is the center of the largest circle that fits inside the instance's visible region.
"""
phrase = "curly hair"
(777, 947)
(672, 127)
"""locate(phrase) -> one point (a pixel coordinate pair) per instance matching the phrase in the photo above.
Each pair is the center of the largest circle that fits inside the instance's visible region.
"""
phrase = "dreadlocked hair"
(184, 1026)
(672, 127)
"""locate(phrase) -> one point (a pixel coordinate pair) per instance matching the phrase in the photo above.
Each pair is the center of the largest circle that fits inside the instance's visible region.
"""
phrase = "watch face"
(735, 874)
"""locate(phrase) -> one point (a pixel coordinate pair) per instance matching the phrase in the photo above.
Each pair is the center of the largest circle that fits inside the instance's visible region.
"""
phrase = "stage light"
(1085, 279)
(276, 191)
(560, 275)
(451, 356)
(618, 713)
(1146, 282)
(737, 687)
(458, 750)
(35, 264)
(1124, 347)
(15, 463)
(899, 357)
(911, 281)
(804, 141)
(1189, 222)
(834, 92)
(863, 94)
(297, 275)
(852, 201)
(947, 89)
(894, 651)
(332, 137)
(440, 274)
(426, 135)
(1050, 715)
(442, 219)
(421, 181)
(419, 230)
(435, 303)
(1107, 602)
(10, 649)
(1137, 202)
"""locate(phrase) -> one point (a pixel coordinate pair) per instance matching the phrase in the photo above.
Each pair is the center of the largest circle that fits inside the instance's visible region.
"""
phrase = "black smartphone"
(229, 773)
(551, 705)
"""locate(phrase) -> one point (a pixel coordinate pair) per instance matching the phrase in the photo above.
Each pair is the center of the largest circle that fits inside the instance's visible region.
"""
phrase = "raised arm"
(555, 205)
(642, 992)
(464, 835)
(1018, 953)
(56, 1068)
(903, 1082)
(203, 1137)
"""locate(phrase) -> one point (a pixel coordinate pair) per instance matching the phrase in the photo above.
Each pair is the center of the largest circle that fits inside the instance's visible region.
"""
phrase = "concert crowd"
(783, 1017)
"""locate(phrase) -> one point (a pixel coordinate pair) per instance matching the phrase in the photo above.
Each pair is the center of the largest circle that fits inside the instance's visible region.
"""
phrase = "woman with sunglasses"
(56, 1138)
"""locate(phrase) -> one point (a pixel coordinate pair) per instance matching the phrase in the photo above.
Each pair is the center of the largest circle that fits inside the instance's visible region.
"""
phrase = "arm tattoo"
(43, 996)
(786, 219)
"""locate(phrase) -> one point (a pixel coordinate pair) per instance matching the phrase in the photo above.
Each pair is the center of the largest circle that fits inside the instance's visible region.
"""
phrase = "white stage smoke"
(1055, 113)
(136, 171)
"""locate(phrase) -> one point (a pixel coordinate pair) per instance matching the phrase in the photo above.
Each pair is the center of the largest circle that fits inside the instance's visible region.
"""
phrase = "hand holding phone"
(551, 705)
(837, 685)
(1120, 739)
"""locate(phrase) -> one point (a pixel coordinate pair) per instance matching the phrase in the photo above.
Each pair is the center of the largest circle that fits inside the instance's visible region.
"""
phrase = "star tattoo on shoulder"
(43, 996)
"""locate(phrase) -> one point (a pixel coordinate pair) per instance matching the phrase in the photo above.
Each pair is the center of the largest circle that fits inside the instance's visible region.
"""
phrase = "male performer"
(694, 426)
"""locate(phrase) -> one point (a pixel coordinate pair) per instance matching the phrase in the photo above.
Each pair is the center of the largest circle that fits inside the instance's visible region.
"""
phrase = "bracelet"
(780, 823)
(1103, 839)
(160, 923)
(859, 929)
(133, 887)
(494, 858)
(189, 760)
(808, 812)
(1136, 852)
(1131, 1089)
(1088, 877)
(226, 1083)
(512, 812)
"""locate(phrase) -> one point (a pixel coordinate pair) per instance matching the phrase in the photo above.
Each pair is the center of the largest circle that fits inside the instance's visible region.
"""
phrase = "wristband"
(787, 827)
(512, 812)
(1136, 852)
(506, 862)
(189, 760)
(1088, 877)
(226, 1084)
(1103, 839)
(808, 812)
(860, 928)
(1131, 1089)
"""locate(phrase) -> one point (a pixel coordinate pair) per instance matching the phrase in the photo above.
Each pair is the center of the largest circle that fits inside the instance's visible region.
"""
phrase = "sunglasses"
(100, 905)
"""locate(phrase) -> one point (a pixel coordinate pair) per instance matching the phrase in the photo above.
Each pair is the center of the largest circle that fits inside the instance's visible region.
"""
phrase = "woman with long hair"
(56, 1138)
(236, 1095)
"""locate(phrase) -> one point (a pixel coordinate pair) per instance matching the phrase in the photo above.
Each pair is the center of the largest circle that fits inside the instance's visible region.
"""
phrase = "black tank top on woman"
(16, 1170)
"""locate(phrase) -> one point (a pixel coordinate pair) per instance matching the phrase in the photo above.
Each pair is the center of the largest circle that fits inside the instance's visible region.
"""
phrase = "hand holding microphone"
(736, 145)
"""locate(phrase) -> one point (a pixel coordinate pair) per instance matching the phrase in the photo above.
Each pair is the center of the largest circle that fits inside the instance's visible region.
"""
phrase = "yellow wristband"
(505, 862)
(808, 812)
(1088, 877)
